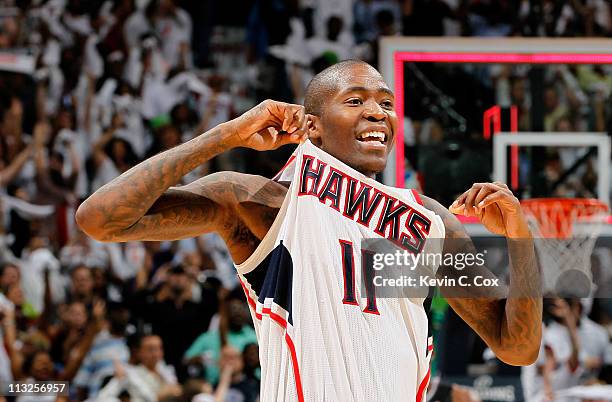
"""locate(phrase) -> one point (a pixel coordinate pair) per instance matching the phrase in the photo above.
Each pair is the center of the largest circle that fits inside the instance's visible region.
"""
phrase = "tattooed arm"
(509, 319)
(141, 205)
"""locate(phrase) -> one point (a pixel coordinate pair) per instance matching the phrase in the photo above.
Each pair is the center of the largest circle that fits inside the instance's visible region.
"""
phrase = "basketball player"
(296, 239)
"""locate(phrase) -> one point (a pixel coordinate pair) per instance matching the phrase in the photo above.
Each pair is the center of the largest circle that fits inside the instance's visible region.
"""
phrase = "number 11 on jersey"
(367, 278)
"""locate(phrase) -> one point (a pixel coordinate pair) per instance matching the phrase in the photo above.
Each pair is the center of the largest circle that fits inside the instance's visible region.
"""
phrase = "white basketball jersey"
(320, 338)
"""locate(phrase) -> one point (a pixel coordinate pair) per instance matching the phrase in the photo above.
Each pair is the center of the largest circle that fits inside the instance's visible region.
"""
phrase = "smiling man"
(296, 242)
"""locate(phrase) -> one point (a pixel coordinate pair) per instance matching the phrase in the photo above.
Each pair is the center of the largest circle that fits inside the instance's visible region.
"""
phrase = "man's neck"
(151, 368)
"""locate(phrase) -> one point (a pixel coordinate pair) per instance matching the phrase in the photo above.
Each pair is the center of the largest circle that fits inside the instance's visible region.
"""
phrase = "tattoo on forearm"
(510, 320)
(118, 206)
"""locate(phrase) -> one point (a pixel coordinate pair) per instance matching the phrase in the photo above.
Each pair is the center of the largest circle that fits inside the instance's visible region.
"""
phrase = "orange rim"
(555, 215)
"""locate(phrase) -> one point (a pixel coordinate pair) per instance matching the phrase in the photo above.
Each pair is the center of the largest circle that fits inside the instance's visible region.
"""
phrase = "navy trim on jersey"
(273, 279)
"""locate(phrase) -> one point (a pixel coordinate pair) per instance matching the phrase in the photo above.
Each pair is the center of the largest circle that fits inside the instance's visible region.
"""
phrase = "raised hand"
(120, 371)
(270, 125)
(496, 207)
(16, 108)
(98, 311)
(562, 310)
(42, 132)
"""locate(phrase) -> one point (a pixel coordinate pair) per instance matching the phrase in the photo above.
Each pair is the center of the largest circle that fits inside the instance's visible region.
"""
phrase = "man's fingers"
(289, 138)
(475, 194)
(287, 117)
(458, 210)
(460, 200)
(485, 190)
(482, 193)
(492, 198)
(500, 184)
(299, 120)
(469, 199)
(293, 117)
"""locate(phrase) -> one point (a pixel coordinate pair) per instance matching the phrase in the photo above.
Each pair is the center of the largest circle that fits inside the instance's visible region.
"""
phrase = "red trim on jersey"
(250, 300)
(425, 381)
(423, 386)
(277, 176)
(417, 197)
(296, 369)
(283, 323)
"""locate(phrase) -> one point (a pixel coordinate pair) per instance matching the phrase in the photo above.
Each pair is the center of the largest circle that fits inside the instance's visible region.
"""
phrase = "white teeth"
(380, 136)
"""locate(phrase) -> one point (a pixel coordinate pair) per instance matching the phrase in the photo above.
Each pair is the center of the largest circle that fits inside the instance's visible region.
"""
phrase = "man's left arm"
(508, 319)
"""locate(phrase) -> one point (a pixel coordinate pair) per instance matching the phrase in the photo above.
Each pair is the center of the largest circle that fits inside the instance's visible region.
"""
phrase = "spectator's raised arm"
(80, 350)
(12, 170)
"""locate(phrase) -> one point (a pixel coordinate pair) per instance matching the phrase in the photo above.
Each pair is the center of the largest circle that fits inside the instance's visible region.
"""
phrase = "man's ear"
(313, 127)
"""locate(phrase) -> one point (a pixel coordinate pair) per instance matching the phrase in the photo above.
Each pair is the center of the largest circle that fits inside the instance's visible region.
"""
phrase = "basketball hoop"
(555, 217)
(565, 231)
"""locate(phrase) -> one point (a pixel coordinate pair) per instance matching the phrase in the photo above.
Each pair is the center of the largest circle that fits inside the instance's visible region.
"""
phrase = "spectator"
(67, 335)
(23, 311)
(8, 171)
(81, 285)
(109, 348)
(555, 110)
(178, 311)
(112, 155)
(9, 275)
(250, 355)
(38, 368)
(241, 387)
(206, 349)
(80, 250)
(149, 381)
(573, 347)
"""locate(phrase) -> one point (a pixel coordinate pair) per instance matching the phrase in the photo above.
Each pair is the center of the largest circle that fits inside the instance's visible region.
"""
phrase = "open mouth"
(373, 137)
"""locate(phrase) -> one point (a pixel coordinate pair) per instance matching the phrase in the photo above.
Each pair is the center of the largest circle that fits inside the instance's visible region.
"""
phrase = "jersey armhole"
(279, 175)
(268, 242)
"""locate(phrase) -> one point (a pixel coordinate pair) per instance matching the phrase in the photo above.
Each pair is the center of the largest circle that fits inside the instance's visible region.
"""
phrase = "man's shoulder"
(209, 337)
(434, 205)
(241, 184)
(248, 331)
(225, 189)
(452, 226)
(247, 189)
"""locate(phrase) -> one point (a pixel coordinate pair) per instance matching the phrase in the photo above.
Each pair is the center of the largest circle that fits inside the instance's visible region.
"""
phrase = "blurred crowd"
(88, 88)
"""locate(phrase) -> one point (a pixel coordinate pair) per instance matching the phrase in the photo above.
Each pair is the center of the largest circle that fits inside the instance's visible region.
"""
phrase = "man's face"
(151, 351)
(76, 315)
(551, 100)
(42, 367)
(178, 283)
(358, 122)
(82, 281)
(238, 314)
(10, 276)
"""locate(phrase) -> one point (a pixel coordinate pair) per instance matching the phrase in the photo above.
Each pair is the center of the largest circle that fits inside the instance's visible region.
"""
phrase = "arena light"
(400, 57)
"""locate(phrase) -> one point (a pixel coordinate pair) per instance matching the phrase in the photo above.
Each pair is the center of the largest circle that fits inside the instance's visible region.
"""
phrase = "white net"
(565, 233)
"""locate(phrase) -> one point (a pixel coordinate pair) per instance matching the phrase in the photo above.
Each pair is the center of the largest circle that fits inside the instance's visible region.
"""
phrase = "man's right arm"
(141, 205)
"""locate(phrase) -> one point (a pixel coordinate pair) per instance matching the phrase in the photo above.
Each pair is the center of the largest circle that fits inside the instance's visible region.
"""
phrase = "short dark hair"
(324, 84)
(28, 362)
(5, 265)
(177, 270)
(139, 338)
(78, 268)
